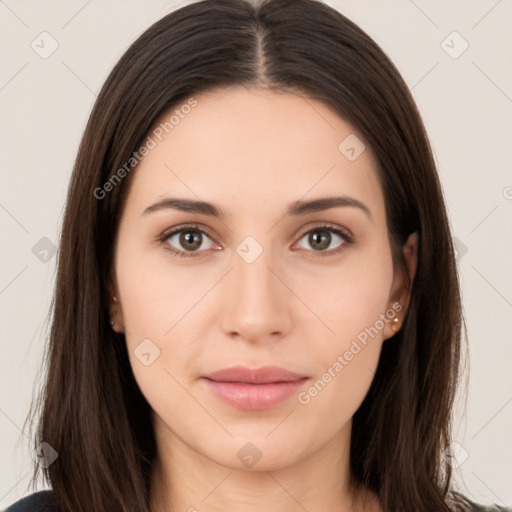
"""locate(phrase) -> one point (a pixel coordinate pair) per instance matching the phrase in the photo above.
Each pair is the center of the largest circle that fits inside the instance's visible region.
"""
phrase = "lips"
(253, 389)
(263, 375)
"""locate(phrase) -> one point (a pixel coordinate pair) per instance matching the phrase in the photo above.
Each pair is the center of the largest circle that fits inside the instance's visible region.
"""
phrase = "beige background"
(466, 103)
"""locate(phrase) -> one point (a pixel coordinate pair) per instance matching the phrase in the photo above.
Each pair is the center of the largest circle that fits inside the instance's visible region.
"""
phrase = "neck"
(184, 480)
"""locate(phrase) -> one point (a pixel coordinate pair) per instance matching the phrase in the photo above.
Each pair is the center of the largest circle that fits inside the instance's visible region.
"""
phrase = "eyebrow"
(297, 208)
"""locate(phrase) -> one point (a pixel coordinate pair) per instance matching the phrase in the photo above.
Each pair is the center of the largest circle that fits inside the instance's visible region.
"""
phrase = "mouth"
(254, 389)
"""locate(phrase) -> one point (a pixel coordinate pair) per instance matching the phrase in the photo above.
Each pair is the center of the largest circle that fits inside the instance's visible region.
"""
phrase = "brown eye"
(321, 238)
(190, 240)
(187, 241)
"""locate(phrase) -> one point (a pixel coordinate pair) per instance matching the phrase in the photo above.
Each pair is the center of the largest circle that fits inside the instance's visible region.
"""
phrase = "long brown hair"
(91, 409)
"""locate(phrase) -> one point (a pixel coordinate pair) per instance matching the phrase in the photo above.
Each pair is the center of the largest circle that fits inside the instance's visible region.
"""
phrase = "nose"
(256, 308)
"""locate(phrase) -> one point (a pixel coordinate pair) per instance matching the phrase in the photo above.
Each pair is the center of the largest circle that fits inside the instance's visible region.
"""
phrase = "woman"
(257, 304)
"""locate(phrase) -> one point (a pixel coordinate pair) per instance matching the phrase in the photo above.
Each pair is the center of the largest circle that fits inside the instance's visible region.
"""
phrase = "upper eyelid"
(173, 231)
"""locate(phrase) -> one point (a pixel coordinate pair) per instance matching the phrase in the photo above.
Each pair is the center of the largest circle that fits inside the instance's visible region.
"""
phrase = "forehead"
(246, 149)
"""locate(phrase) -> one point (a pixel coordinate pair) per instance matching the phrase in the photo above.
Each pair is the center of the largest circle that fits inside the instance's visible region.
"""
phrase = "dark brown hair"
(92, 411)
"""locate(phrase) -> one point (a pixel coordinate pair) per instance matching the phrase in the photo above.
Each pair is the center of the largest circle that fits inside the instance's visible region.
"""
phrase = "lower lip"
(253, 396)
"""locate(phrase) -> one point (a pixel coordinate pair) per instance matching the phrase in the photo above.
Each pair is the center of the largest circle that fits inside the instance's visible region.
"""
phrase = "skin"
(253, 152)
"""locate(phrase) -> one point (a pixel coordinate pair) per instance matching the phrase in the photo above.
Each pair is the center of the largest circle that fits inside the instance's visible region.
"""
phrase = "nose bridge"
(257, 298)
(252, 278)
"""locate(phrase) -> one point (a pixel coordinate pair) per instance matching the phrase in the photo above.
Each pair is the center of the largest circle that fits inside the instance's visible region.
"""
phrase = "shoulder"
(41, 501)
(464, 504)
(477, 507)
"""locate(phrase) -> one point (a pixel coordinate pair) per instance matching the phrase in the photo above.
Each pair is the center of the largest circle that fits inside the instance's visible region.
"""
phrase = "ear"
(115, 309)
(400, 295)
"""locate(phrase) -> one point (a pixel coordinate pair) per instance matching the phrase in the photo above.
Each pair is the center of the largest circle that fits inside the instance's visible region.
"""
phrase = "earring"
(112, 323)
(395, 324)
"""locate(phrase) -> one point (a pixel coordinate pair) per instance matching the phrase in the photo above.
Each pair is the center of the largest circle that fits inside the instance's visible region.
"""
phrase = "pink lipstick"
(254, 389)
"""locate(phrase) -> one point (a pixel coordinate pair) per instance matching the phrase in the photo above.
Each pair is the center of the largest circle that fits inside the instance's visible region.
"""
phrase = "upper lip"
(262, 375)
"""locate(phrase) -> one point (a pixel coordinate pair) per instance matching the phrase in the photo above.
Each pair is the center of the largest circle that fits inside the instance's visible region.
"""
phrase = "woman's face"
(257, 286)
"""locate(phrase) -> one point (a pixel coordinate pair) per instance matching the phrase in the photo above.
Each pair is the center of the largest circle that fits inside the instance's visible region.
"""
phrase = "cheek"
(161, 313)
(340, 388)
(155, 305)
(346, 359)
(156, 292)
(348, 300)
(351, 304)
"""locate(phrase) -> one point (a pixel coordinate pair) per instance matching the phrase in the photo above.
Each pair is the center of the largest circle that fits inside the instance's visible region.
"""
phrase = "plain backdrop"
(456, 58)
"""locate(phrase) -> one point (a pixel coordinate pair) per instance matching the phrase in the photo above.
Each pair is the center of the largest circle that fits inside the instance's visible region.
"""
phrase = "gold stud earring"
(112, 323)
(395, 324)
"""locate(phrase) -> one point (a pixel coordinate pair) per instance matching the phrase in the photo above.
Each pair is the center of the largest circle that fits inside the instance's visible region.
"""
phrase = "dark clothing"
(42, 502)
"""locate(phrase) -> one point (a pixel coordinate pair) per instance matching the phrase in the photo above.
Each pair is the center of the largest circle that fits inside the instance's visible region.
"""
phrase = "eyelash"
(345, 234)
